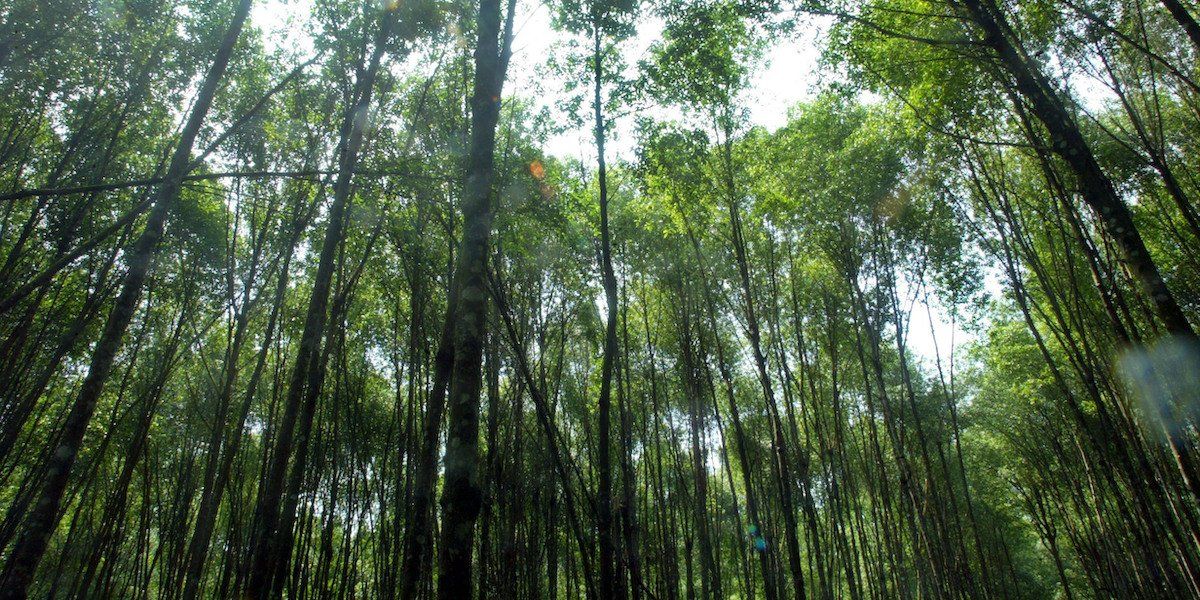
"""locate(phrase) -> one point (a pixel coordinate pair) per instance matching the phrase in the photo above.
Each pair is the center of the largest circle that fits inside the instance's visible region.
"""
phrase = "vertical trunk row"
(710, 581)
(781, 464)
(270, 541)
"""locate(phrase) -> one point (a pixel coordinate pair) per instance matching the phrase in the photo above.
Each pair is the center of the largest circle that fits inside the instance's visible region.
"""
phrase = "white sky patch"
(285, 25)
(789, 73)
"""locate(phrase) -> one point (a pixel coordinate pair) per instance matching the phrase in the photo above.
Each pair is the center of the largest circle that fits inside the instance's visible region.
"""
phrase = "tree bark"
(1181, 15)
(781, 464)
(270, 541)
(216, 482)
(604, 526)
(461, 496)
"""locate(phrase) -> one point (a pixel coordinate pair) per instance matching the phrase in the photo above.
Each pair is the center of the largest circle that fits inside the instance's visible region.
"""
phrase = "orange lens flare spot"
(537, 170)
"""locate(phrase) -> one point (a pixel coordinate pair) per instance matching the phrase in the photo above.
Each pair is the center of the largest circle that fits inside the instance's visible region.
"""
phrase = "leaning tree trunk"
(40, 523)
(759, 532)
(225, 452)
(1185, 20)
(1096, 188)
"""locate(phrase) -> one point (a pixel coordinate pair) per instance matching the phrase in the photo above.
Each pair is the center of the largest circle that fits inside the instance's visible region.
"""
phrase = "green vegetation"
(326, 317)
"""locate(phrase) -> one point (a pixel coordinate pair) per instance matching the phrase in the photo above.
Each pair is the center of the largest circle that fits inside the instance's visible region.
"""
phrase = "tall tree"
(606, 23)
(460, 491)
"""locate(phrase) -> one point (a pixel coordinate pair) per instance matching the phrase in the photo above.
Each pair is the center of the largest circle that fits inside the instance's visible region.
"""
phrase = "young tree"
(606, 23)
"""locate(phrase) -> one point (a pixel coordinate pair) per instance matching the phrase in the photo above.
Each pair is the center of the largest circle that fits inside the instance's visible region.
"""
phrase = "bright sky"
(788, 74)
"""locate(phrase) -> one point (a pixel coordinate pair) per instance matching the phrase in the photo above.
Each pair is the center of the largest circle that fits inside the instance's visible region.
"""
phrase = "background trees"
(932, 337)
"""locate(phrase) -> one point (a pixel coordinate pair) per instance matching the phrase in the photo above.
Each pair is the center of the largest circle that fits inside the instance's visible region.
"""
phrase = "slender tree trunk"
(710, 581)
(214, 489)
(270, 541)
(628, 469)
(782, 467)
(604, 526)
(759, 536)
(41, 522)
(545, 419)
(115, 508)
(418, 540)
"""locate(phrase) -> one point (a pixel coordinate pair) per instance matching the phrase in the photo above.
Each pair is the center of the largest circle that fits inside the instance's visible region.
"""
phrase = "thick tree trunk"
(1181, 15)
(418, 540)
(41, 522)
(461, 496)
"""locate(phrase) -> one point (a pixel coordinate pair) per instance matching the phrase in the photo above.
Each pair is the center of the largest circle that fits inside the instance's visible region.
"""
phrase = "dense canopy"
(535, 299)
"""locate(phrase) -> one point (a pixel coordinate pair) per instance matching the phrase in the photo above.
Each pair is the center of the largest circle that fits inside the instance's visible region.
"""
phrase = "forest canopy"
(598, 299)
